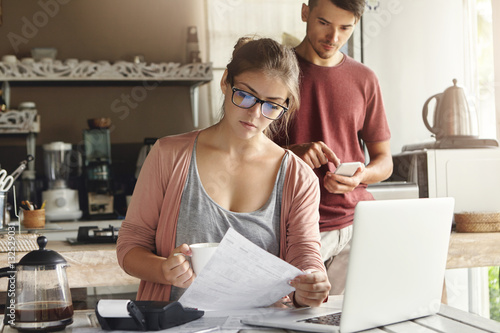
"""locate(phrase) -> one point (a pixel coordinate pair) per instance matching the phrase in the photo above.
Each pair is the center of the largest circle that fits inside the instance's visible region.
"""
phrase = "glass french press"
(38, 295)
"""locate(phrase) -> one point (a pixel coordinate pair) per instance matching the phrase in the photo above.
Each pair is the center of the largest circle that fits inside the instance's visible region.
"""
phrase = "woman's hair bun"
(242, 41)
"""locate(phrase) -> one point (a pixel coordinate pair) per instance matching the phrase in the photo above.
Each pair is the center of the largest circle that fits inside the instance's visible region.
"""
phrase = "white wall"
(496, 40)
(416, 48)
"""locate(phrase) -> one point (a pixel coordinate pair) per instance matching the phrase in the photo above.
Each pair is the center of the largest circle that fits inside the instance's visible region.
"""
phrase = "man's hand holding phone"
(348, 169)
(345, 178)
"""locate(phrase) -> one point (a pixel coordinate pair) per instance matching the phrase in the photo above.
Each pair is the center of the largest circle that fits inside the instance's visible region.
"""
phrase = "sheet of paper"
(240, 275)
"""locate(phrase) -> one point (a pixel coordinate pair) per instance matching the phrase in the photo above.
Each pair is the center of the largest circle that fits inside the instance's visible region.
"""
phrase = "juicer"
(98, 178)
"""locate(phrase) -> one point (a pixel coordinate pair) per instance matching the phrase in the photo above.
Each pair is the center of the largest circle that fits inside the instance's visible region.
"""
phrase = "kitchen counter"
(61, 231)
(90, 265)
(94, 265)
(469, 250)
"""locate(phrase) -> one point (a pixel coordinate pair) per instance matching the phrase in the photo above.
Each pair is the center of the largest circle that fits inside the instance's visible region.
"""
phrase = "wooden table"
(96, 265)
(448, 320)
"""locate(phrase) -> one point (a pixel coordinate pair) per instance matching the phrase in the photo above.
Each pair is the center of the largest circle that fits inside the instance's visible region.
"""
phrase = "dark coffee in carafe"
(49, 311)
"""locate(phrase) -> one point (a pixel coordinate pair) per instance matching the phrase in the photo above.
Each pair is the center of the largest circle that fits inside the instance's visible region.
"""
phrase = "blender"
(61, 202)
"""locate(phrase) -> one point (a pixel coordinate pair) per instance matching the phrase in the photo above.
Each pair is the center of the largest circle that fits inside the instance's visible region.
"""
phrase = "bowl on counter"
(97, 123)
(9, 59)
(39, 53)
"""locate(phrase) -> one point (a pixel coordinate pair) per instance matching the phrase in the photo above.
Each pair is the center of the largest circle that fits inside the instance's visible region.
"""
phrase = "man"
(341, 107)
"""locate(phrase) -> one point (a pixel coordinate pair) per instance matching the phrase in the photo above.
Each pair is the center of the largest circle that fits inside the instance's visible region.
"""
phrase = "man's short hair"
(356, 7)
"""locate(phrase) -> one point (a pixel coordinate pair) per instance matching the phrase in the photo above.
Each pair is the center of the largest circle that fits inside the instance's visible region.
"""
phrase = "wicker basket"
(477, 222)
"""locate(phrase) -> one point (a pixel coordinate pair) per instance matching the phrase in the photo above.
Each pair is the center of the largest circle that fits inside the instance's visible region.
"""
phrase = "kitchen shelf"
(75, 72)
(19, 122)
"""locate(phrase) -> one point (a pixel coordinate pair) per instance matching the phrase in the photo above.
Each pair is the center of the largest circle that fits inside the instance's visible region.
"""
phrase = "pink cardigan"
(151, 219)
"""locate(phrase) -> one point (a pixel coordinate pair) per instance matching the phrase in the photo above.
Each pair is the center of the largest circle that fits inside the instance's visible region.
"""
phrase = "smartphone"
(347, 169)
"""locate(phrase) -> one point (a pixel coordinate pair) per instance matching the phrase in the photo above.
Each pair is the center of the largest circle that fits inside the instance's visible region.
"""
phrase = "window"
(481, 67)
(229, 20)
(482, 76)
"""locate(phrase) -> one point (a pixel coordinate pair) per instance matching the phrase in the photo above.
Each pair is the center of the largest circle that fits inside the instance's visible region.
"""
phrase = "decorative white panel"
(73, 69)
(14, 121)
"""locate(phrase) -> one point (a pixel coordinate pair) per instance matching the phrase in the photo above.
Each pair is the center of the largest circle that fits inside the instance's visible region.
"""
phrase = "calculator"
(150, 316)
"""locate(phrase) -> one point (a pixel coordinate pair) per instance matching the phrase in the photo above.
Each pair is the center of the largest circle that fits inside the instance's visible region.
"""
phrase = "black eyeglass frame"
(258, 100)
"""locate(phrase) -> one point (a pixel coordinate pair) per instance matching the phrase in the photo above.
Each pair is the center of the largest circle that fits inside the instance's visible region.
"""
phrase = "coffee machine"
(100, 199)
(61, 202)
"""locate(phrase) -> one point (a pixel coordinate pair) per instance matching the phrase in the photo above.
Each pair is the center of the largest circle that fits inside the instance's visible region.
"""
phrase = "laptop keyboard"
(330, 319)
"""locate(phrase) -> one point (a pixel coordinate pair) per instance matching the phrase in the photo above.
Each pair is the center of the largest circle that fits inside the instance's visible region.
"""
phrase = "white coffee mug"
(201, 254)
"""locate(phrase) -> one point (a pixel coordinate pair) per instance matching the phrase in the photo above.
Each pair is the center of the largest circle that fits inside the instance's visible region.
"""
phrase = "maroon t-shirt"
(339, 105)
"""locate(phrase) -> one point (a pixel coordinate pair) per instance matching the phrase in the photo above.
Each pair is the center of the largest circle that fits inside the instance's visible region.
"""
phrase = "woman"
(194, 186)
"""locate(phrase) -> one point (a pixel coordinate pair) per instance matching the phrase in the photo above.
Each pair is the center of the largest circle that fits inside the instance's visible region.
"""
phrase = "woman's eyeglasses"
(246, 100)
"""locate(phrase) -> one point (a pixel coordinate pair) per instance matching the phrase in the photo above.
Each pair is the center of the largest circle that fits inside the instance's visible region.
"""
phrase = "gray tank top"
(202, 220)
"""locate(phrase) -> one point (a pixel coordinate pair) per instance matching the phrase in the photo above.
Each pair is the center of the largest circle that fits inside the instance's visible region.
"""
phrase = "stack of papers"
(240, 275)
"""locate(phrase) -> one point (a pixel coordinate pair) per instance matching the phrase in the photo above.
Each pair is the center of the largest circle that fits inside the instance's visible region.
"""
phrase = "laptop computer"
(396, 268)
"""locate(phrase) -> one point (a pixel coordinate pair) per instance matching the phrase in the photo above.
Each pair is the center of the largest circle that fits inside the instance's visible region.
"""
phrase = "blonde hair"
(273, 59)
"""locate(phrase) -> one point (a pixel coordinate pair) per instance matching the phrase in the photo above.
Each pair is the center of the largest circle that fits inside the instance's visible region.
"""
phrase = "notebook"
(396, 268)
